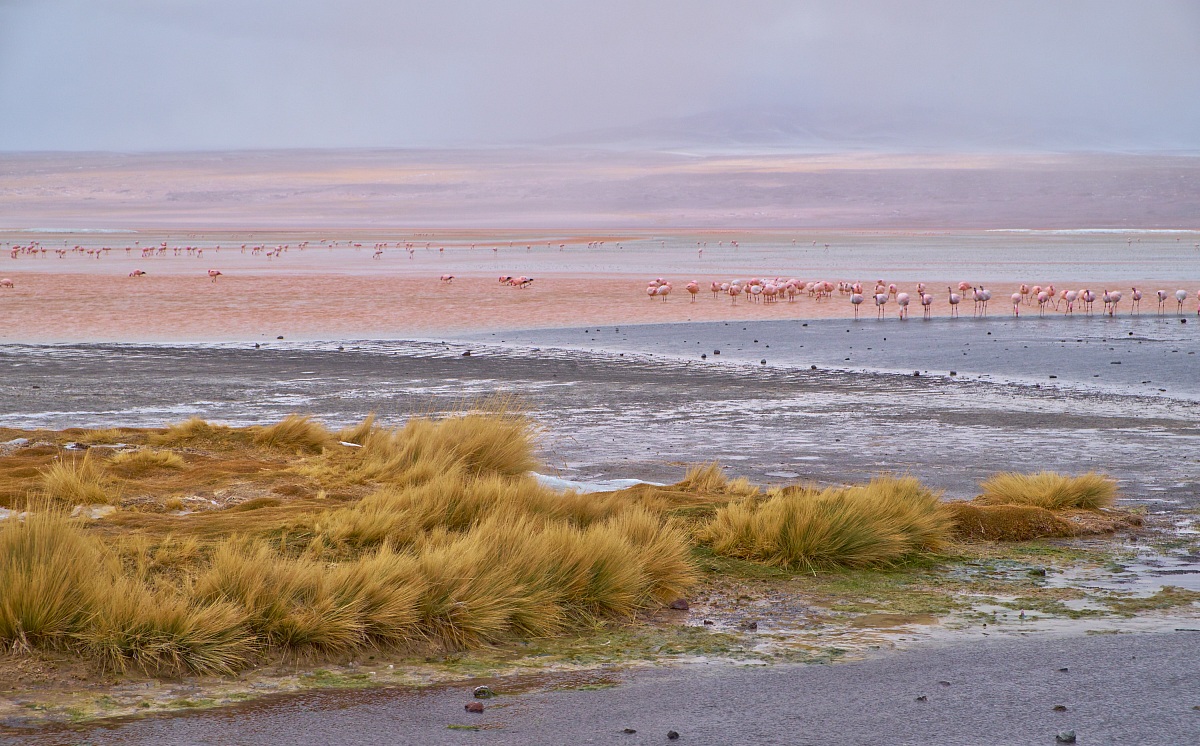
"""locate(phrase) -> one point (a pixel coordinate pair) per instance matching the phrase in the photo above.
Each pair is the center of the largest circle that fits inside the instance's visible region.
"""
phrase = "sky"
(155, 75)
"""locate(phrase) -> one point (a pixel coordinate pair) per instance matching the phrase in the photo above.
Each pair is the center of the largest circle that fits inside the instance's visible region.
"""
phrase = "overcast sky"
(214, 74)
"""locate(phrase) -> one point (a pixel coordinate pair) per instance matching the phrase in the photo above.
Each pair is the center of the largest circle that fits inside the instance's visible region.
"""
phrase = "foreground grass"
(1050, 490)
(239, 546)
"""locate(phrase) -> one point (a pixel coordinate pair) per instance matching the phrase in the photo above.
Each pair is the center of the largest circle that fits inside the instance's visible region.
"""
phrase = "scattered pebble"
(629, 730)
(1060, 708)
(679, 604)
(922, 698)
(475, 707)
(1065, 736)
(672, 735)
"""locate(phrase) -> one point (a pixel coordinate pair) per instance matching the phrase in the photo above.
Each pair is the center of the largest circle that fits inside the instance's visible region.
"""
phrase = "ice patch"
(600, 485)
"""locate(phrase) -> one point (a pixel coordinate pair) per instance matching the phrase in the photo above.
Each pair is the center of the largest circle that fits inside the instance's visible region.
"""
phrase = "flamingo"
(926, 303)
(692, 287)
(955, 299)
(136, 273)
(902, 299)
(1016, 301)
(892, 290)
(6, 283)
(1180, 297)
(447, 279)
(1162, 301)
(1135, 302)
(1088, 298)
(734, 291)
(1111, 299)
(1042, 298)
(1070, 296)
(1023, 291)
(881, 300)
(987, 296)
(964, 286)
(214, 274)
(715, 287)
(664, 290)
(977, 295)
(856, 299)
(506, 279)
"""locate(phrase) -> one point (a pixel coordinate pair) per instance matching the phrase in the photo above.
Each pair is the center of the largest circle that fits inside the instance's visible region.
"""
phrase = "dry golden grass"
(1050, 490)
(1006, 522)
(196, 431)
(710, 479)
(300, 433)
(141, 462)
(879, 523)
(105, 436)
(358, 433)
(76, 480)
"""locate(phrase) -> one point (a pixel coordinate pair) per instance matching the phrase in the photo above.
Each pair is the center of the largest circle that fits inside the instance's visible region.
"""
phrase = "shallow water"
(640, 404)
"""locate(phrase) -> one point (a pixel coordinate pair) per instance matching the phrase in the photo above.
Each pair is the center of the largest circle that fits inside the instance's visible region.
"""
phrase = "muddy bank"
(1138, 688)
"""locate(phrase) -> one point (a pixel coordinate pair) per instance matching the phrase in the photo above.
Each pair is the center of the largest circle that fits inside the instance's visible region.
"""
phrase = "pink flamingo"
(1135, 302)
(1042, 298)
(692, 287)
(857, 300)
(1162, 301)
(734, 291)
(447, 279)
(214, 274)
(964, 286)
(955, 299)
(1088, 298)
(881, 300)
(6, 283)
(664, 290)
(506, 279)
(715, 287)
(977, 295)
(926, 304)
(1070, 296)
(1023, 291)
(1180, 297)
(136, 273)
(902, 300)
(1016, 301)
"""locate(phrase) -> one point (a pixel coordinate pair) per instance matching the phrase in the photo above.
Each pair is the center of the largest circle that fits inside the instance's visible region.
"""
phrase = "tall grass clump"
(48, 579)
(876, 524)
(358, 433)
(141, 462)
(197, 431)
(498, 443)
(76, 480)
(1050, 490)
(295, 433)
(710, 479)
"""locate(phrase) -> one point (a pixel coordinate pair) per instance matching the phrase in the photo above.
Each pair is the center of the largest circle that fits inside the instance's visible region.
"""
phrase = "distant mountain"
(835, 130)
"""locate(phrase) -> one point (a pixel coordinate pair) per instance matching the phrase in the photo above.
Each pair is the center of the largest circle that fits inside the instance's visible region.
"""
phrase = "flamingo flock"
(1048, 297)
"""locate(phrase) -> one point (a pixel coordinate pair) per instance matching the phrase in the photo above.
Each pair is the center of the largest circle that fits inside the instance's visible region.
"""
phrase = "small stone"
(944, 683)
(763, 361)
(483, 692)
(475, 707)
(708, 623)
(1064, 669)
(922, 698)
(916, 374)
(1065, 736)
(279, 337)
(672, 735)
(1060, 708)
(679, 604)
(467, 353)
(751, 625)
(716, 352)
(703, 356)
(1039, 572)
(812, 367)
(629, 730)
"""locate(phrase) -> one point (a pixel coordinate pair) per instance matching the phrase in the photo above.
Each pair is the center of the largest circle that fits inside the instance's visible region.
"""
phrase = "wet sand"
(1124, 689)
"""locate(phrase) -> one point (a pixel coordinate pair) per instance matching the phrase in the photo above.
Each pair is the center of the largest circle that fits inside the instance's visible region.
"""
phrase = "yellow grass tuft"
(141, 462)
(879, 523)
(197, 431)
(492, 443)
(47, 569)
(76, 481)
(97, 437)
(1006, 522)
(295, 433)
(1050, 490)
(710, 479)
(358, 433)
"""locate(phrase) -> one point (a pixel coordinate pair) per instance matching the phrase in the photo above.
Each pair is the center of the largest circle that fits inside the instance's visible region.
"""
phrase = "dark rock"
(1065, 736)
(467, 353)
(483, 692)
(475, 707)
(279, 337)
(1060, 708)
(1064, 669)
(763, 361)
(1039, 572)
(629, 730)
(916, 374)
(751, 625)
(679, 604)
(709, 622)
(944, 683)
(672, 735)
(922, 698)
(716, 352)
